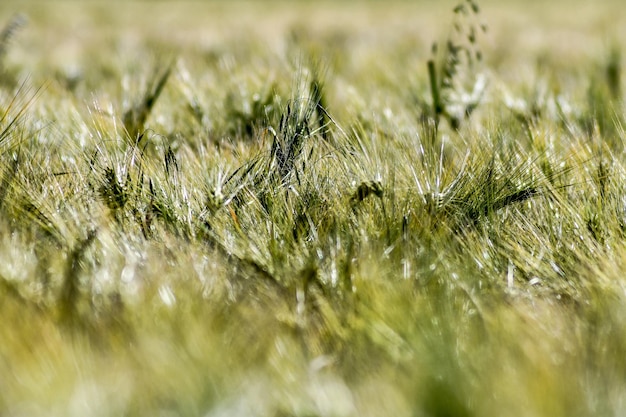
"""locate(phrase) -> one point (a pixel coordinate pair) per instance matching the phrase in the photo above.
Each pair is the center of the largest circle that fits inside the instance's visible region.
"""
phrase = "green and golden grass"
(303, 209)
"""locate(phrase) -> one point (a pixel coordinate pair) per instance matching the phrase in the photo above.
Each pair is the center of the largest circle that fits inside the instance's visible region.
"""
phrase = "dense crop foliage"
(321, 209)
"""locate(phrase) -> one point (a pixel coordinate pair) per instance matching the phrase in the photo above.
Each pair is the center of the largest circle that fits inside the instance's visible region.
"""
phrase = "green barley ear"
(293, 130)
(613, 72)
(366, 189)
(8, 32)
(435, 90)
(456, 84)
(135, 117)
(114, 192)
(318, 97)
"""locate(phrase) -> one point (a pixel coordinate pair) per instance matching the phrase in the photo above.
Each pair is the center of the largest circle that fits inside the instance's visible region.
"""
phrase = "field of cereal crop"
(312, 208)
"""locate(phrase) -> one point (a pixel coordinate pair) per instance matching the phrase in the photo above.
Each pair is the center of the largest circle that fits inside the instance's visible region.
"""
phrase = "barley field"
(312, 208)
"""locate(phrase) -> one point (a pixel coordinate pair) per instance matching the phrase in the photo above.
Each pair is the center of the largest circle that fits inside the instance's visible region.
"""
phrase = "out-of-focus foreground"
(312, 209)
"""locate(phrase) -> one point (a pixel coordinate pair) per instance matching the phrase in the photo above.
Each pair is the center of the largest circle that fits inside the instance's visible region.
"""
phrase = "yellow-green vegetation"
(312, 209)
